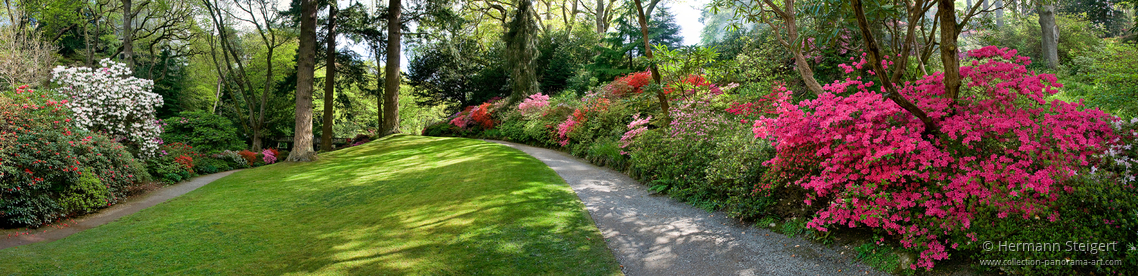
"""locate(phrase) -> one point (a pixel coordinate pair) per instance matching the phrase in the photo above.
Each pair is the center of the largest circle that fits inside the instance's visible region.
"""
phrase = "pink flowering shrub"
(534, 104)
(570, 123)
(268, 156)
(695, 119)
(1002, 148)
(636, 127)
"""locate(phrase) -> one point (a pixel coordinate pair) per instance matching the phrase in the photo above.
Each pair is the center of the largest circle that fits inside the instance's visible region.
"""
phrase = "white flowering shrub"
(1122, 156)
(110, 100)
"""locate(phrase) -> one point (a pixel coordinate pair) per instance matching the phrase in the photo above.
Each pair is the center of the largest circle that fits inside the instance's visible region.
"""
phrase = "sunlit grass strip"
(400, 205)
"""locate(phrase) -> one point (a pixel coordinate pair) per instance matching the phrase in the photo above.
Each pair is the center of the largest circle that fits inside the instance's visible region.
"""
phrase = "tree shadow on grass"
(443, 207)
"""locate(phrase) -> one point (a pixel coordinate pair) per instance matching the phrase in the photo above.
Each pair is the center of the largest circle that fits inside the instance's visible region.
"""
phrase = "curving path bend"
(656, 235)
(114, 212)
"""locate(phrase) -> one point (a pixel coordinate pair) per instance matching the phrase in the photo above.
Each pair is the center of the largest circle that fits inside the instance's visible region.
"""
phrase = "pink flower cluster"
(268, 156)
(565, 127)
(1002, 148)
(533, 104)
(635, 128)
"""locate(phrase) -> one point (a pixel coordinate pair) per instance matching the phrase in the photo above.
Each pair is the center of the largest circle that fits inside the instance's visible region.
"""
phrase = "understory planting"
(1005, 153)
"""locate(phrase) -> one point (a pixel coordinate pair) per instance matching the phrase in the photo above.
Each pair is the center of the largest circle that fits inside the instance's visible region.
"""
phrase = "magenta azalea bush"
(268, 157)
(1002, 145)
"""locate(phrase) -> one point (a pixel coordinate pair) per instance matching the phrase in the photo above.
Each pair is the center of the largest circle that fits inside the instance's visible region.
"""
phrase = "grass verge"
(399, 205)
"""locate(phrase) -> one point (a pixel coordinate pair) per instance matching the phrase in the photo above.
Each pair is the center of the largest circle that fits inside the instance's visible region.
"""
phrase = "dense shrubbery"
(850, 158)
(207, 132)
(49, 168)
(1007, 152)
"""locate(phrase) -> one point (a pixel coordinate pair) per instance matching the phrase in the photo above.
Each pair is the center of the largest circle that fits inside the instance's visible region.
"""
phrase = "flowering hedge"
(110, 100)
(47, 163)
(1004, 164)
(1007, 148)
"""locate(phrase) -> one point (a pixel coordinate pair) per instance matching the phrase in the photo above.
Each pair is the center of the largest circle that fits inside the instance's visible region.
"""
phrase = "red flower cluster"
(481, 115)
(629, 84)
(249, 156)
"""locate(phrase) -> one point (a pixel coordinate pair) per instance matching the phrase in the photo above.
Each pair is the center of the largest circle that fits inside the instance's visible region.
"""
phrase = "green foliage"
(206, 132)
(209, 165)
(735, 169)
(878, 256)
(85, 195)
(1097, 209)
(1022, 33)
(1106, 77)
(35, 175)
(442, 129)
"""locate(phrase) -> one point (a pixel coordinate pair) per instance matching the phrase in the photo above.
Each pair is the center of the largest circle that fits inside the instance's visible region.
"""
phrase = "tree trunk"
(379, 83)
(128, 35)
(329, 81)
(1050, 35)
(949, 54)
(391, 76)
(660, 96)
(257, 140)
(305, 65)
(600, 17)
(1000, 13)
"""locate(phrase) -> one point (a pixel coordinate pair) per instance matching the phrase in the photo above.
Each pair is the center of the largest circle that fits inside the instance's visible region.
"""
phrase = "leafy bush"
(44, 157)
(86, 195)
(1004, 151)
(207, 132)
(209, 165)
(442, 129)
(1107, 78)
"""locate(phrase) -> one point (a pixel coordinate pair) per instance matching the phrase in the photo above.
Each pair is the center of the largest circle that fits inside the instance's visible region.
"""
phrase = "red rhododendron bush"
(1001, 147)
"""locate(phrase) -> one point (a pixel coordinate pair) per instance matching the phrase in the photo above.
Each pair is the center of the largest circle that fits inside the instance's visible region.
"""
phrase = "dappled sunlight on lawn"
(399, 205)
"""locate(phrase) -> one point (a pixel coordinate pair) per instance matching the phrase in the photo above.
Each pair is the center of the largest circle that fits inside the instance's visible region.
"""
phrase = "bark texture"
(329, 82)
(391, 71)
(305, 65)
(1050, 35)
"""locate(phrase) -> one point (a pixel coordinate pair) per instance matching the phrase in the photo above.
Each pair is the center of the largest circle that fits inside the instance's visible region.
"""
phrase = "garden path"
(47, 234)
(656, 235)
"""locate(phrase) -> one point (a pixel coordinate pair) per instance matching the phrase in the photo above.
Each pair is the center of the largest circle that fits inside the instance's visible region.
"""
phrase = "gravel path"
(656, 235)
(47, 234)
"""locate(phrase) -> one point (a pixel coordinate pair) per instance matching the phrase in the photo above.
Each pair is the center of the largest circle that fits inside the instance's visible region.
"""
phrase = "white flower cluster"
(1122, 151)
(109, 99)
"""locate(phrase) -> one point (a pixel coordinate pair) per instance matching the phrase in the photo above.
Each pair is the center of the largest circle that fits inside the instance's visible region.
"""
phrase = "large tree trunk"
(660, 96)
(329, 81)
(521, 52)
(1050, 35)
(391, 76)
(949, 54)
(127, 35)
(305, 65)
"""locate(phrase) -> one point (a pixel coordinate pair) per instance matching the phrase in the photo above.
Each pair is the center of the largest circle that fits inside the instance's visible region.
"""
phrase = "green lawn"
(400, 205)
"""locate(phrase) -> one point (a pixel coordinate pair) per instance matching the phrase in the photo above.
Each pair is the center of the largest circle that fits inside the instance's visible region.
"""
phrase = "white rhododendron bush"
(110, 100)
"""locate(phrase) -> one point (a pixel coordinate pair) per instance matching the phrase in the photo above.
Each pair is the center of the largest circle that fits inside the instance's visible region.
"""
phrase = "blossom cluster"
(1001, 146)
(635, 128)
(268, 156)
(629, 84)
(110, 100)
(534, 104)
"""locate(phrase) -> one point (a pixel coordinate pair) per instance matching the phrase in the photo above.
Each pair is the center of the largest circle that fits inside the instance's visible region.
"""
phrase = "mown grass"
(399, 205)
